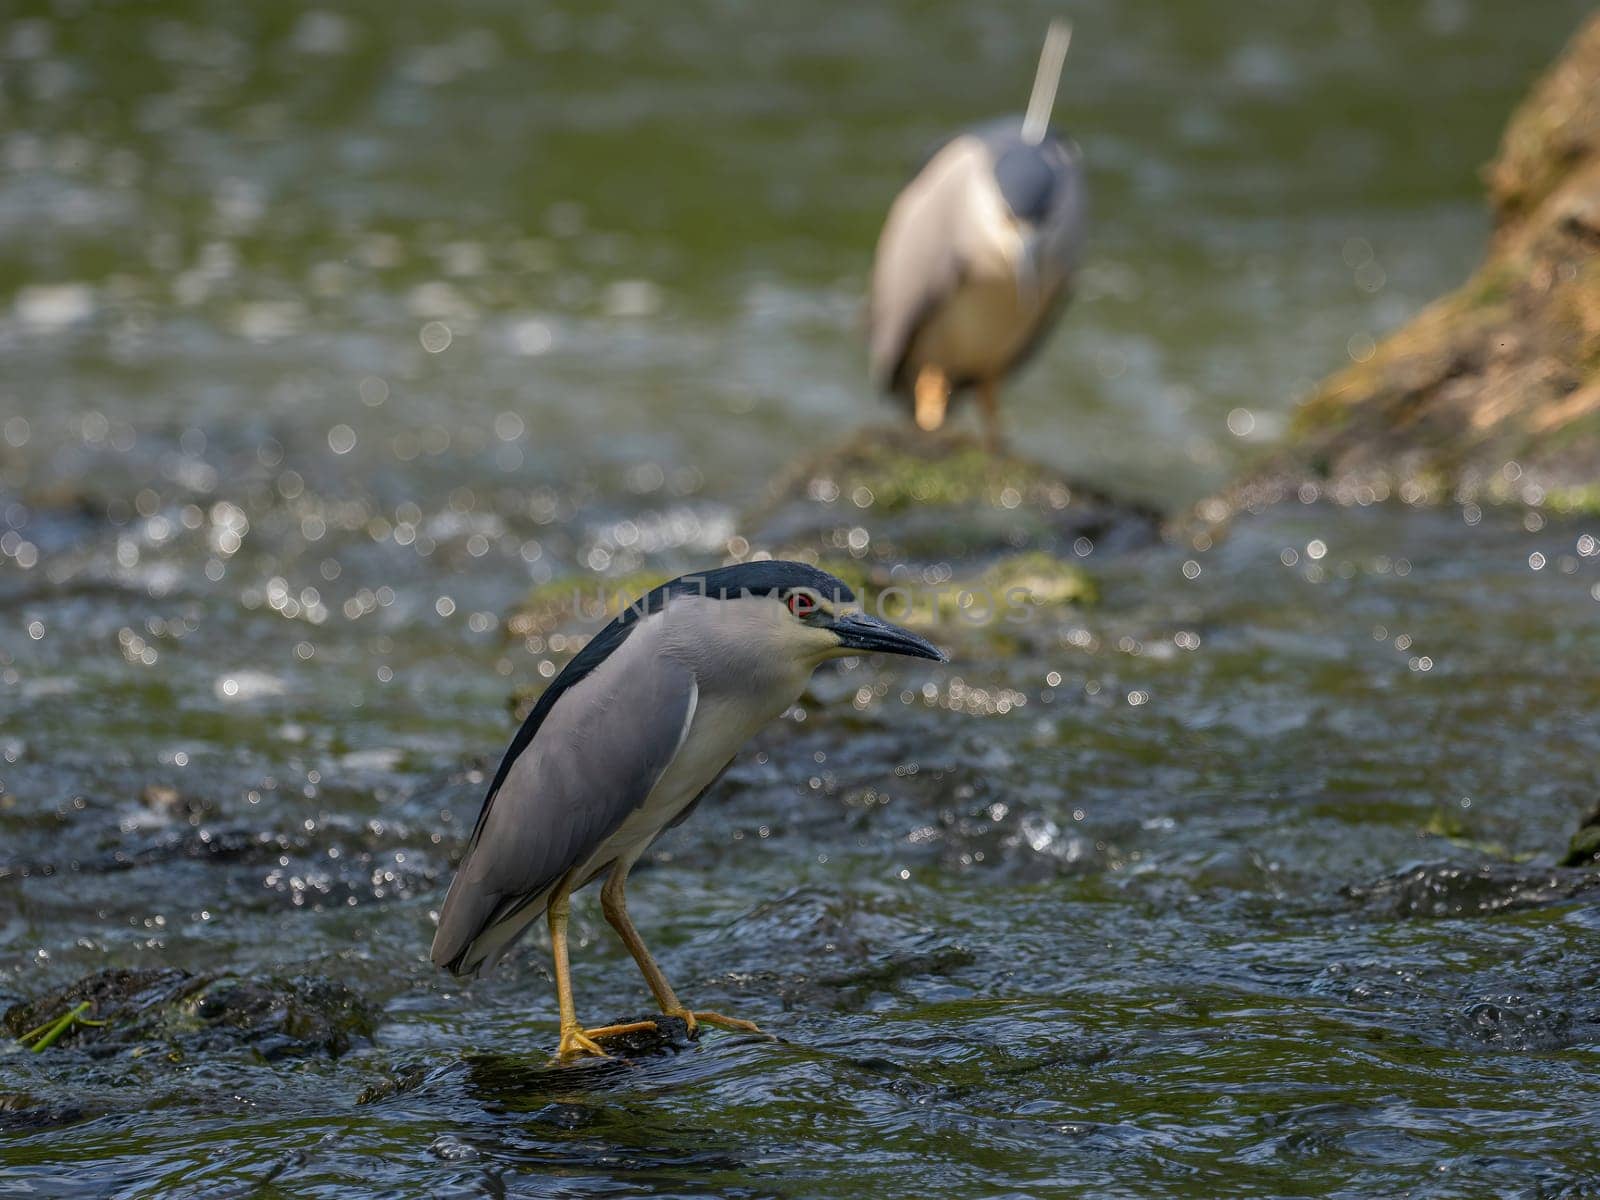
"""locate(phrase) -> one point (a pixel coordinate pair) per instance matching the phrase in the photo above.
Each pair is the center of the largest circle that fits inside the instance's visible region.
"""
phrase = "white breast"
(980, 328)
(715, 730)
(983, 323)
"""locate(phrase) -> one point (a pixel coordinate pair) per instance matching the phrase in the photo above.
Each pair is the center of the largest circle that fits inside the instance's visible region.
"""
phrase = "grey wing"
(593, 761)
(918, 261)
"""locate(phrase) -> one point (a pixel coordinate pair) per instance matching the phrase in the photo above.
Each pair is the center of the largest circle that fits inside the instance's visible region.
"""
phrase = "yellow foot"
(932, 396)
(693, 1019)
(575, 1041)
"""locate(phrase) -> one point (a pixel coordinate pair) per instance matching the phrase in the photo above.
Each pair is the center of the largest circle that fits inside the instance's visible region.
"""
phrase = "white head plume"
(1045, 80)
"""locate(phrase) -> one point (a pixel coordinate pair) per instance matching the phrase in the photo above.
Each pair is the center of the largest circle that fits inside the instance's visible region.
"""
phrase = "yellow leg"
(614, 903)
(574, 1038)
(989, 404)
(932, 395)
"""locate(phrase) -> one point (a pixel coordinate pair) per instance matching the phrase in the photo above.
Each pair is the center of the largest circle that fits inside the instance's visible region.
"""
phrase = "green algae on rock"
(571, 600)
(184, 1014)
(1491, 393)
(559, 617)
(925, 530)
(891, 494)
(1584, 848)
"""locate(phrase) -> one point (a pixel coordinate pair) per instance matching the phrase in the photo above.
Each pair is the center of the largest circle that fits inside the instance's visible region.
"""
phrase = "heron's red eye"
(801, 605)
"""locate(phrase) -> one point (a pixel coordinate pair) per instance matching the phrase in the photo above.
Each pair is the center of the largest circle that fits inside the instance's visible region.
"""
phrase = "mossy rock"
(1584, 848)
(895, 495)
(1000, 530)
(1019, 582)
(1557, 127)
(1042, 581)
(109, 994)
(1010, 591)
(1504, 370)
(184, 1014)
(568, 601)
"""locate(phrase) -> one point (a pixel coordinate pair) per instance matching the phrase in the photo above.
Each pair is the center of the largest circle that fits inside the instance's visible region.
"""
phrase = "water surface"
(326, 334)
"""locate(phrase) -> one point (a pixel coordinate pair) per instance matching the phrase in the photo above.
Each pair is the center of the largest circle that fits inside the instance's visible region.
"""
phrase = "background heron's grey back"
(920, 257)
(592, 760)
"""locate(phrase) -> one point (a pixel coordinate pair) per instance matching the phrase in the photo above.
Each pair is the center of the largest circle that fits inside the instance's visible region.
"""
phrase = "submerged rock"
(1450, 890)
(1493, 392)
(23, 1113)
(183, 1013)
(1522, 1023)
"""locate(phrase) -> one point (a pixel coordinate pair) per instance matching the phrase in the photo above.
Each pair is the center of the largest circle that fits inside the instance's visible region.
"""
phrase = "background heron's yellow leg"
(989, 404)
(932, 395)
(574, 1038)
(614, 903)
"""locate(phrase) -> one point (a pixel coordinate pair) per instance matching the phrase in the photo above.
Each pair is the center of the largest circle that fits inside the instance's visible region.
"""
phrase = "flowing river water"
(328, 333)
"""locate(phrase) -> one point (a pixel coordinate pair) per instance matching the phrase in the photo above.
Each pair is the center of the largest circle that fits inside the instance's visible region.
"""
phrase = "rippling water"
(328, 333)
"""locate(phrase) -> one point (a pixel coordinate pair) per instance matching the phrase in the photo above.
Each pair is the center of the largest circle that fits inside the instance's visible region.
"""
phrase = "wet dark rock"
(1515, 1022)
(670, 1034)
(1493, 392)
(185, 1014)
(308, 1014)
(112, 995)
(22, 1113)
(396, 1083)
(1450, 890)
(936, 499)
(531, 1081)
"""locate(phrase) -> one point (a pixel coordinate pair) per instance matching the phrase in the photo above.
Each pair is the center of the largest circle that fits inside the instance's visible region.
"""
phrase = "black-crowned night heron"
(624, 743)
(976, 258)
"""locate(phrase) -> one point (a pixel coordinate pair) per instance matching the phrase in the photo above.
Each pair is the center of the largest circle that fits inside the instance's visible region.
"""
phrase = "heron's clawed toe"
(734, 1024)
(715, 1019)
(576, 1041)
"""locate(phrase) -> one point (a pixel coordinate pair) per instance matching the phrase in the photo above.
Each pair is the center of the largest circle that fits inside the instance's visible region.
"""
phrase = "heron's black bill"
(868, 634)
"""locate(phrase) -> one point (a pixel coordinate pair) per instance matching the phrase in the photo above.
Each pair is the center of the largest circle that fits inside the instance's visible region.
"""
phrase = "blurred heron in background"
(625, 742)
(976, 257)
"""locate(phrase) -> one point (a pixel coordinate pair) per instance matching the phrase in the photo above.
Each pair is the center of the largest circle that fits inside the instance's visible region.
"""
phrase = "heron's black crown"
(769, 578)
